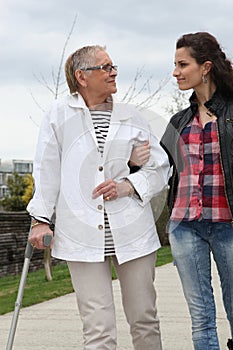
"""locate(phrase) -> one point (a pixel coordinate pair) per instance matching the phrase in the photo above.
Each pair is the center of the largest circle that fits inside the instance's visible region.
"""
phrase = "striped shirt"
(101, 121)
(201, 193)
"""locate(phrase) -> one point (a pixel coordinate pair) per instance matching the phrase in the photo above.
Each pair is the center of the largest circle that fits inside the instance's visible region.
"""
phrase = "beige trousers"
(92, 283)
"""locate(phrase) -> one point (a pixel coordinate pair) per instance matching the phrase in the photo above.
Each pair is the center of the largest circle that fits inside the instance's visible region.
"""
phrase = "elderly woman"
(103, 212)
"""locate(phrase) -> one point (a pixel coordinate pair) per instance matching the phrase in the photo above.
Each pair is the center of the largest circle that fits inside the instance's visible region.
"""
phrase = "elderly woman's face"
(100, 82)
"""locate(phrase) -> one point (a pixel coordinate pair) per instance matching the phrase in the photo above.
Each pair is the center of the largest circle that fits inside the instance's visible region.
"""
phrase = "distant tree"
(57, 87)
(29, 189)
(141, 93)
(14, 200)
(179, 101)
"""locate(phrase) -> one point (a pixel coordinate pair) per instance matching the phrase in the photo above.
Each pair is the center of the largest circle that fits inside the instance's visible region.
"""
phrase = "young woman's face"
(187, 72)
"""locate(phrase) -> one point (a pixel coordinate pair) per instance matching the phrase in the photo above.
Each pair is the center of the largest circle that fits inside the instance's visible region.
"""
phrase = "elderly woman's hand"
(140, 154)
(111, 189)
(38, 232)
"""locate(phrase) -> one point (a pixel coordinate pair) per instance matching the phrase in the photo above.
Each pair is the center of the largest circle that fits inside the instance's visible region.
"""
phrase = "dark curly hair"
(204, 47)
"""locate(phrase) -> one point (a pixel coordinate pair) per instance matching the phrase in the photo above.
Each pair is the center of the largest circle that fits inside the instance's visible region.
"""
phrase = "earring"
(204, 79)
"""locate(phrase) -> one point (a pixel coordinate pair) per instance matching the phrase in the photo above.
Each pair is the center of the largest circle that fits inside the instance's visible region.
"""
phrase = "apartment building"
(8, 167)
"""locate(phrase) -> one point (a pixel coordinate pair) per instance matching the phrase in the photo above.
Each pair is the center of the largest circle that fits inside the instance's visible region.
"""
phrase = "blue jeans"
(191, 244)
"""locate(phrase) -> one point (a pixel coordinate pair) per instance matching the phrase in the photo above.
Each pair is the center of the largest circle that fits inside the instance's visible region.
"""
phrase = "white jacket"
(68, 166)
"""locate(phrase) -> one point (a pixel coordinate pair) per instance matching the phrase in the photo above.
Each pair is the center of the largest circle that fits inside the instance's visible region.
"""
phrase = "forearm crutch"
(18, 303)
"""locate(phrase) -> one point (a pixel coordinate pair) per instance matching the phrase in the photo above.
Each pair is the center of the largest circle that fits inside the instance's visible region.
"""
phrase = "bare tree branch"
(53, 77)
(30, 117)
(153, 98)
(134, 93)
(56, 78)
(179, 101)
(62, 57)
(44, 83)
(129, 95)
(38, 105)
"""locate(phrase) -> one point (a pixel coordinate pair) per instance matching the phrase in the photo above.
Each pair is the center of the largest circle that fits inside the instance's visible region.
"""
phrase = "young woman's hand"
(140, 155)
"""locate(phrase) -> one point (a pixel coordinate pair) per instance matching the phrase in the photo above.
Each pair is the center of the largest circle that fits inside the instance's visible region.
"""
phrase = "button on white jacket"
(68, 166)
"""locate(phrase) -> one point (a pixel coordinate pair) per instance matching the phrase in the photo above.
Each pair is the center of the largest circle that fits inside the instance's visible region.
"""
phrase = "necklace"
(209, 113)
(206, 110)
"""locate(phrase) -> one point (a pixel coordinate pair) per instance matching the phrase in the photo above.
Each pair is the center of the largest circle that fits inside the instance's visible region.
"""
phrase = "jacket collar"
(215, 103)
(76, 101)
(120, 110)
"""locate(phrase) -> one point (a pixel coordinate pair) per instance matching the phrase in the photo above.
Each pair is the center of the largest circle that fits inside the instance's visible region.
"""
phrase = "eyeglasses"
(106, 67)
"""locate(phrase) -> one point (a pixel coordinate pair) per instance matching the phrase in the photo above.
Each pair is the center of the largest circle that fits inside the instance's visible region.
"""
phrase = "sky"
(140, 36)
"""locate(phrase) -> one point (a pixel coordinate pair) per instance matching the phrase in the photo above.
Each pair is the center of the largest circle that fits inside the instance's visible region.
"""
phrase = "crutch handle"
(47, 240)
(29, 248)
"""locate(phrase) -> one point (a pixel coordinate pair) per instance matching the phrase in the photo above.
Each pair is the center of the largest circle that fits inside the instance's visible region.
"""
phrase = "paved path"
(55, 324)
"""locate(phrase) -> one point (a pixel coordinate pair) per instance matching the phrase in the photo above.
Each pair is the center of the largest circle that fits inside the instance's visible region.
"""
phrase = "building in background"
(8, 167)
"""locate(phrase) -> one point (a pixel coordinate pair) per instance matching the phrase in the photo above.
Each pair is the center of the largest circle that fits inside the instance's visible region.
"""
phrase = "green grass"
(164, 256)
(37, 289)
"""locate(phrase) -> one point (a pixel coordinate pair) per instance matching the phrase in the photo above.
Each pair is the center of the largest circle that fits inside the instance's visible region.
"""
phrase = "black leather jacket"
(223, 109)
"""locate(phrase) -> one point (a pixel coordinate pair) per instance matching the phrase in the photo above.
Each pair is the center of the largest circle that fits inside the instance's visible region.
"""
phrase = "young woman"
(199, 143)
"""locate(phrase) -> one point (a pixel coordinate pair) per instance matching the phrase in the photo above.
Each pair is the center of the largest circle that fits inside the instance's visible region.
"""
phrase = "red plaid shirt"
(201, 194)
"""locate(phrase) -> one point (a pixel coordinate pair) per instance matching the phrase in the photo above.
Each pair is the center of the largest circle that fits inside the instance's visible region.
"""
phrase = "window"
(23, 167)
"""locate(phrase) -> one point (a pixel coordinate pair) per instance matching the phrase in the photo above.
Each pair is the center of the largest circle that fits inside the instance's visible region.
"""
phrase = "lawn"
(37, 289)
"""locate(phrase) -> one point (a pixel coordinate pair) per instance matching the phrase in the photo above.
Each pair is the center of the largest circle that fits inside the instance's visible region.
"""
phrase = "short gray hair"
(80, 59)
